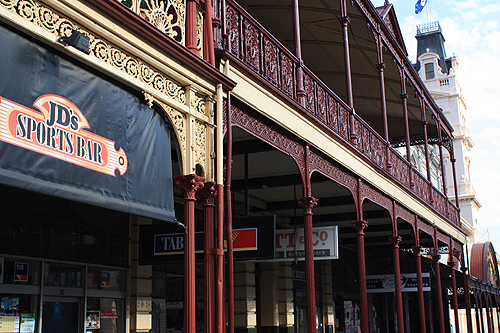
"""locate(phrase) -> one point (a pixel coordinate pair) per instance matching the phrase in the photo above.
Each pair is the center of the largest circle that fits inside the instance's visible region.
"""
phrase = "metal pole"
(420, 285)
(308, 203)
(230, 261)
(219, 300)
(191, 27)
(208, 193)
(189, 184)
(298, 53)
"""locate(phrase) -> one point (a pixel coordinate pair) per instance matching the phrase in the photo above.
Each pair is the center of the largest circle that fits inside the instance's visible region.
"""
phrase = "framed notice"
(21, 272)
(93, 320)
(2, 261)
(28, 321)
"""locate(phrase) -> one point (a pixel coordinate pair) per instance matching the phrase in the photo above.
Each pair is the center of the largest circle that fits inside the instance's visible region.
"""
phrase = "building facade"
(138, 134)
(439, 73)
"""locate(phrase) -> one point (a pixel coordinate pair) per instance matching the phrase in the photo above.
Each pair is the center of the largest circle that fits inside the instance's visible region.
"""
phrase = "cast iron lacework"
(60, 26)
(168, 16)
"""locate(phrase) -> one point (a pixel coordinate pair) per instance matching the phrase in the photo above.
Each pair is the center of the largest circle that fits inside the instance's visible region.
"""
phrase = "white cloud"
(471, 29)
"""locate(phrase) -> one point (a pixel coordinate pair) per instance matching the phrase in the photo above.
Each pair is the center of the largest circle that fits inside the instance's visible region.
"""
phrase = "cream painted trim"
(273, 108)
(48, 38)
(97, 22)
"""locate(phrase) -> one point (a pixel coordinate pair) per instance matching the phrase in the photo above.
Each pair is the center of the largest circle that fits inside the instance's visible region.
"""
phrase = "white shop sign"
(290, 243)
(385, 283)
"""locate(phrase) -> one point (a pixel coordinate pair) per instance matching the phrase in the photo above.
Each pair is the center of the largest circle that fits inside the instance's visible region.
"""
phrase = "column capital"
(451, 264)
(307, 203)
(208, 192)
(189, 184)
(380, 66)
(416, 249)
(403, 96)
(436, 257)
(395, 240)
(359, 226)
(345, 20)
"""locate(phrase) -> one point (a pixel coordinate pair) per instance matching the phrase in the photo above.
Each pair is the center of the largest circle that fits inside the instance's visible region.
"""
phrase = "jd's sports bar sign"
(69, 131)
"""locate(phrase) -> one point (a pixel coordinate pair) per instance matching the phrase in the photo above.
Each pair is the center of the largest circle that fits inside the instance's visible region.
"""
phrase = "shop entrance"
(61, 314)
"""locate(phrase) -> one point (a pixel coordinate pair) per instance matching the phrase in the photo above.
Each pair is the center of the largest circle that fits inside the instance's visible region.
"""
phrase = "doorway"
(61, 314)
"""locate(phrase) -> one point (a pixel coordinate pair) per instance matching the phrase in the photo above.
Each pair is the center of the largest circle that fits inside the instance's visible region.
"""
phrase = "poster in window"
(93, 320)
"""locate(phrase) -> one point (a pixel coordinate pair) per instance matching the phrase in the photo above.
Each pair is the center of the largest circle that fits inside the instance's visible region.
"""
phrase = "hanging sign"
(68, 131)
(253, 238)
(290, 243)
(59, 129)
(385, 283)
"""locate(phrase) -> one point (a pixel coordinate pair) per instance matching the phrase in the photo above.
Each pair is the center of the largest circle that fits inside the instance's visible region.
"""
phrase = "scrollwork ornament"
(53, 22)
(200, 140)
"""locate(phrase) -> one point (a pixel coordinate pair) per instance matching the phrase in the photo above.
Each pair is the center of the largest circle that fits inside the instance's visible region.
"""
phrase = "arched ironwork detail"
(251, 124)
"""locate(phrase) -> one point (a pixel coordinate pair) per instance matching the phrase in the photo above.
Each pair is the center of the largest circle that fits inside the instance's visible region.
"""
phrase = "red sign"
(59, 130)
(109, 314)
(245, 239)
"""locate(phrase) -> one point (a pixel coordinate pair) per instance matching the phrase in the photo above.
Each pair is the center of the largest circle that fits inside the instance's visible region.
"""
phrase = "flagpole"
(427, 9)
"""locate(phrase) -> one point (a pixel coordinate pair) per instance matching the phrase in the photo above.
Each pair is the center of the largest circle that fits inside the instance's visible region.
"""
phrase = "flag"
(420, 5)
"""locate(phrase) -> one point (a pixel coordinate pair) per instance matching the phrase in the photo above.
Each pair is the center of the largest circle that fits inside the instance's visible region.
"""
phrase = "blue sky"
(471, 29)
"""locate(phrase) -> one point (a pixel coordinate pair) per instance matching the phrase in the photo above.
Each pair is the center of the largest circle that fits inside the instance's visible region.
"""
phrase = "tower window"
(429, 71)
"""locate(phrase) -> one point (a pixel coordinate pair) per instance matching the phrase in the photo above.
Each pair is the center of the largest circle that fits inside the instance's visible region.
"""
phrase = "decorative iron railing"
(265, 56)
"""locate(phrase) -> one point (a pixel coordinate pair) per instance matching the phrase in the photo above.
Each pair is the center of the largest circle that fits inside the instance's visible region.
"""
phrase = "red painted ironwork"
(451, 264)
(208, 193)
(220, 326)
(229, 213)
(189, 184)
(308, 203)
(420, 287)
(439, 289)
(266, 57)
(359, 226)
(398, 294)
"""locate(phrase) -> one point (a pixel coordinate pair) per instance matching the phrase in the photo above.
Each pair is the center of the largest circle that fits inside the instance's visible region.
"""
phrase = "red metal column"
(208, 193)
(420, 285)
(398, 294)
(468, 309)
(229, 213)
(439, 288)
(191, 37)
(426, 139)
(189, 184)
(488, 310)
(359, 226)
(344, 21)
(308, 203)
(453, 161)
(404, 101)
(298, 53)
(451, 264)
(230, 276)
(220, 325)
(208, 37)
(443, 170)
(381, 79)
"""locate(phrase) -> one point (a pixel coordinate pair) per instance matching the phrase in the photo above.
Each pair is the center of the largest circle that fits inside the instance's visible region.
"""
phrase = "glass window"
(59, 275)
(429, 71)
(105, 314)
(105, 278)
